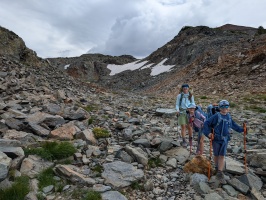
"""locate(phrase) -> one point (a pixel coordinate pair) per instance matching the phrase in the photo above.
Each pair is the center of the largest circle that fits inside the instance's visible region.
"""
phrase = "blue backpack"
(211, 110)
(199, 109)
(224, 121)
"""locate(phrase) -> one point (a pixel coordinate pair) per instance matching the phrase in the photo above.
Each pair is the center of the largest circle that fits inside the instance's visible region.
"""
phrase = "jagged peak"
(233, 27)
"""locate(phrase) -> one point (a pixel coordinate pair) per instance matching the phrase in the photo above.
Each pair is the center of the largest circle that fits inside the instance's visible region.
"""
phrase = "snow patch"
(66, 66)
(160, 68)
(155, 70)
(115, 69)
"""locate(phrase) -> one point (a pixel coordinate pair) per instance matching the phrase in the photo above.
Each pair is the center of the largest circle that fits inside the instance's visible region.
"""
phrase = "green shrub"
(93, 195)
(53, 150)
(90, 120)
(90, 108)
(100, 132)
(19, 189)
(46, 178)
(77, 193)
(97, 168)
(136, 185)
(154, 162)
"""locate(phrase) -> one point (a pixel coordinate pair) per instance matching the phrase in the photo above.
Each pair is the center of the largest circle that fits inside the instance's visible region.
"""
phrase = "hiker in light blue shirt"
(182, 101)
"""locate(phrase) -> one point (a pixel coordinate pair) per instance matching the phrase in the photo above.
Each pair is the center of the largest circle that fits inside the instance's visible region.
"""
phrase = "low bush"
(19, 189)
(53, 150)
(136, 185)
(46, 178)
(100, 132)
(93, 195)
(154, 162)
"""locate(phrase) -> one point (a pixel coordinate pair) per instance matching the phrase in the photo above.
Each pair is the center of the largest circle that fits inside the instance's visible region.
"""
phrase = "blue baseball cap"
(223, 103)
(185, 85)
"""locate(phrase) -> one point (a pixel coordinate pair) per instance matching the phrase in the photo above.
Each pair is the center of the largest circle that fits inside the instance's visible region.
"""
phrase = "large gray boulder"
(120, 174)
(5, 163)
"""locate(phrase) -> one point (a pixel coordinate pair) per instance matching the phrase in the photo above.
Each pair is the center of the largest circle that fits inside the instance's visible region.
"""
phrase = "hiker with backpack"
(196, 120)
(212, 109)
(221, 122)
(184, 98)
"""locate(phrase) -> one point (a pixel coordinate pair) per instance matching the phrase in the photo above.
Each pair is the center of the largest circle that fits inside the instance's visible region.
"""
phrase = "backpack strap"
(220, 120)
(180, 101)
(181, 98)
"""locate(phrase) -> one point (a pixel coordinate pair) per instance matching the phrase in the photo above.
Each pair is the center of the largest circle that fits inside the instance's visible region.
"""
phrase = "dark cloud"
(116, 27)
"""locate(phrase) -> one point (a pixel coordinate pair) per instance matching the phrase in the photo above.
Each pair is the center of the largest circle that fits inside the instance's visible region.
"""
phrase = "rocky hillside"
(213, 60)
(89, 67)
(65, 139)
(226, 60)
(219, 61)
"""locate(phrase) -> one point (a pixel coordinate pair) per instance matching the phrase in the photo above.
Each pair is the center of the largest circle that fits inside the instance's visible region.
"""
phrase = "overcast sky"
(65, 28)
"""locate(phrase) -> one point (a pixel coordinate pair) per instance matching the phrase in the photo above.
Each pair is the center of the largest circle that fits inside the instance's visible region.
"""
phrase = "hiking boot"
(184, 143)
(215, 171)
(220, 177)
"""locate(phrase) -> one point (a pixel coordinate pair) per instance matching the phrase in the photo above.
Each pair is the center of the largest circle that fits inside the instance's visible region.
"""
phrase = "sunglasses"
(224, 107)
(185, 87)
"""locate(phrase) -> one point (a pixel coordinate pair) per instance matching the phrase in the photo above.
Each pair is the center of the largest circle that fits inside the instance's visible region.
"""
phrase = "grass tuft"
(90, 108)
(136, 185)
(93, 195)
(100, 133)
(19, 189)
(53, 150)
(90, 121)
(154, 162)
(46, 178)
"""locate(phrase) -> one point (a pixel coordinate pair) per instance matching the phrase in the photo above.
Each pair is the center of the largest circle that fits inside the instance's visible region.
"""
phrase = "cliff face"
(12, 46)
(226, 60)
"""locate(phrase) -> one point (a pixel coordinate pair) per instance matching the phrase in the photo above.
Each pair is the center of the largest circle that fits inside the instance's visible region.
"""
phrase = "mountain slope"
(223, 60)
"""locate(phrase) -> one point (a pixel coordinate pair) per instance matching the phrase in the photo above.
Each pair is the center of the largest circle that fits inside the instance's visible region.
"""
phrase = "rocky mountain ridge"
(235, 55)
(140, 159)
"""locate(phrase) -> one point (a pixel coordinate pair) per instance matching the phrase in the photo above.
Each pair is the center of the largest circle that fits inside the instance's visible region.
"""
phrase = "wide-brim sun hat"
(192, 105)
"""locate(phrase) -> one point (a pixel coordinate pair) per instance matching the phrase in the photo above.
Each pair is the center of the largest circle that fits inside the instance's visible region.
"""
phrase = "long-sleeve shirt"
(185, 102)
(223, 128)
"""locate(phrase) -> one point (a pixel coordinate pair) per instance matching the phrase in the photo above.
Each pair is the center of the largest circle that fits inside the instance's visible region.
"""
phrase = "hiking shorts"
(182, 119)
(219, 148)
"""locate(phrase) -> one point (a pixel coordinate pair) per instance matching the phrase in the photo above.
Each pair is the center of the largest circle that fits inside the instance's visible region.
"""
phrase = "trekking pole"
(245, 148)
(190, 138)
(210, 158)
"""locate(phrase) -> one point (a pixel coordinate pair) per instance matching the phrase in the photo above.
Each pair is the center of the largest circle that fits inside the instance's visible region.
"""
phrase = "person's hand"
(246, 123)
(210, 136)
(177, 113)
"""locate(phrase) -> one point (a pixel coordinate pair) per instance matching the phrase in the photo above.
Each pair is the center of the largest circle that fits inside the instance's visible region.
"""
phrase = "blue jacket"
(221, 129)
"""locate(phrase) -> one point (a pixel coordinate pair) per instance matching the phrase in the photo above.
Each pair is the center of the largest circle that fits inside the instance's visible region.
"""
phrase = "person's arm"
(236, 127)
(177, 103)
(208, 124)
